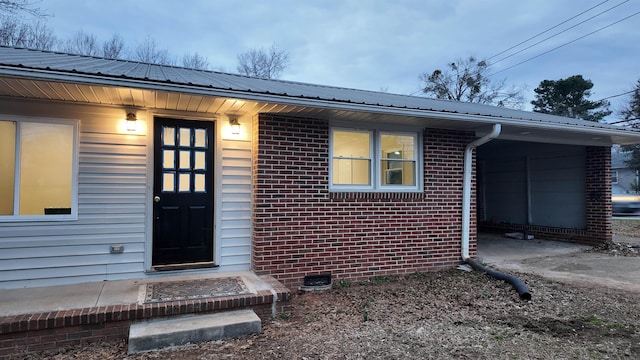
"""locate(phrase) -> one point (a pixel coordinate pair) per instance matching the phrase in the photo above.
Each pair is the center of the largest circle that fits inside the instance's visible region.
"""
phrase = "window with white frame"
(375, 160)
(614, 176)
(38, 170)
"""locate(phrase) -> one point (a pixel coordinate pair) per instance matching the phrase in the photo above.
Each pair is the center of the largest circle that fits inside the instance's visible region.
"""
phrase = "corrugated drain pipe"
(522, 289)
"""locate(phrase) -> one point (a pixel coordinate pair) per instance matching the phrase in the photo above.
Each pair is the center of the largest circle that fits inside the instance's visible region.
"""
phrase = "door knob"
(156, 199)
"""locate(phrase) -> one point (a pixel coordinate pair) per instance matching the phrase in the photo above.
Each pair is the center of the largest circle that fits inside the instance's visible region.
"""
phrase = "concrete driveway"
(561, 261)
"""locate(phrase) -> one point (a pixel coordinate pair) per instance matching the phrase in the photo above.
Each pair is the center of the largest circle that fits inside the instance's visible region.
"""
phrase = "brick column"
(598, 196)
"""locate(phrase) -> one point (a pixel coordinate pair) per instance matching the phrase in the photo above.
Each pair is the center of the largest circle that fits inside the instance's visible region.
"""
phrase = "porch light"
(235, 126)
(131, 121)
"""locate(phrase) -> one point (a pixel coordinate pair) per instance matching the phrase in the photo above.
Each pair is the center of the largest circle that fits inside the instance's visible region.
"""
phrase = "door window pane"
(168, 159)
(168, 182)
(201, 138)
(200, 161)
(7, 166)
(185, 137)
(185, 159)
(184, 181)
(169, 136)
(46, 168)
(199, 185)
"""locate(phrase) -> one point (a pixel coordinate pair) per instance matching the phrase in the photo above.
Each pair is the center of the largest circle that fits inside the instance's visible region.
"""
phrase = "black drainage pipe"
(520, 287)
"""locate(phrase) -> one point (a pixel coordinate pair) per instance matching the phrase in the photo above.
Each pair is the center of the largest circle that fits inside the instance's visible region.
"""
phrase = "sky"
(384, 45)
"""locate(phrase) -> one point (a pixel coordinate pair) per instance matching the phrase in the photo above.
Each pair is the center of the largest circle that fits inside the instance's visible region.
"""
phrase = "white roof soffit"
(524, 126)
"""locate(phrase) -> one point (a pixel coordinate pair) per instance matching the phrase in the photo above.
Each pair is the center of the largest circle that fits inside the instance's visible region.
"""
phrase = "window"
(37, 170)
(614, 176)
(375, 160)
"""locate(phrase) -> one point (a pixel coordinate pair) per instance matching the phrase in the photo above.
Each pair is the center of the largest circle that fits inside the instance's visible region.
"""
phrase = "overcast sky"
(378, 44)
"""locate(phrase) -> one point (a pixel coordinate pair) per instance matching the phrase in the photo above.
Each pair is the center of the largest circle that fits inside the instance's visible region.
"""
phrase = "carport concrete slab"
(560, 261)
(494, 249)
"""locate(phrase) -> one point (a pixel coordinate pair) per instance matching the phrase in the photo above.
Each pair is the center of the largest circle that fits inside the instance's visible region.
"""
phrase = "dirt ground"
(449, 314)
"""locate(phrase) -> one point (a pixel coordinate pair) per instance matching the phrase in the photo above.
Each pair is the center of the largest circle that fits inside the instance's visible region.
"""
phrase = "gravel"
(448, 314)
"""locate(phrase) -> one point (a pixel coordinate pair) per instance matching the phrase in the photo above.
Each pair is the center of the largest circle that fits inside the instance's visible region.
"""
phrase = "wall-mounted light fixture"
(132, 122)
(235, 125)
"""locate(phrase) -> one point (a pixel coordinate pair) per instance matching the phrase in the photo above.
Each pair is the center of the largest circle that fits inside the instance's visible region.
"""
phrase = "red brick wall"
(300, 228)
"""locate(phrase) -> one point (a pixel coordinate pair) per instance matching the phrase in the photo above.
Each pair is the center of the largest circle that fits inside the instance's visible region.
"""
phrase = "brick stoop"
(27, 333)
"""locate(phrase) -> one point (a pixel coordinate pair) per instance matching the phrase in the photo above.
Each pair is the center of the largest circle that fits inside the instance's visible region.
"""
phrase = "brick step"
(159, 333)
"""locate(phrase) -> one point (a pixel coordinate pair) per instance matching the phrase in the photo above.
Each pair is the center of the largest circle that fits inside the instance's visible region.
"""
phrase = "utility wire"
(558, 33)
(614, 96)
(546, 31)
(565, 44)
(623, 121)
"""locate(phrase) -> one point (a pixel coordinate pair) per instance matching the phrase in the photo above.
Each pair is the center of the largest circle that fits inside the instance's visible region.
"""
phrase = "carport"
(548, 190)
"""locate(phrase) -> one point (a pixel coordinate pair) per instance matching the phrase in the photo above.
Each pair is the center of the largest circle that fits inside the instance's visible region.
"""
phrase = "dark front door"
(183, 192)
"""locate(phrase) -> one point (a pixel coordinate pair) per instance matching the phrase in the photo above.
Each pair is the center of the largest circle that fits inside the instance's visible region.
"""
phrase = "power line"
(613, 96)
(565, 44)
(623, 121)
(558, 33)
(546, 31)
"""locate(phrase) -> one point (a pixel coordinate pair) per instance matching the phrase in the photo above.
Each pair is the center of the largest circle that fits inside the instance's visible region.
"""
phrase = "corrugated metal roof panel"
(159, 74)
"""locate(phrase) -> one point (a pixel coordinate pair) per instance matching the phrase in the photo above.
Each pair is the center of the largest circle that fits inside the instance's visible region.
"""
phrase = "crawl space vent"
(316, 282)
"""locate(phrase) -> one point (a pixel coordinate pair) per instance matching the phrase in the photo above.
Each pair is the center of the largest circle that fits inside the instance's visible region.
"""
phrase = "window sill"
(344, 195)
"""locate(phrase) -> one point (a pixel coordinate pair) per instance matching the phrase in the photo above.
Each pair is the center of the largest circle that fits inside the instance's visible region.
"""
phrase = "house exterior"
(622, 177)
(115, 169)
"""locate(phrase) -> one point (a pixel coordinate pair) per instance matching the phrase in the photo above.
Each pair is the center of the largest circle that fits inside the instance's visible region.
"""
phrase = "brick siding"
(300, 228)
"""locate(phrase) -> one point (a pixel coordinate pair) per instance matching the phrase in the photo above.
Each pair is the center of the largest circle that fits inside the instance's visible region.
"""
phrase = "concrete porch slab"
(99, 294)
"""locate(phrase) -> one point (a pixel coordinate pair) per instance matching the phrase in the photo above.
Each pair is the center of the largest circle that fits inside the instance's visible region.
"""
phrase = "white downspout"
(466, 186)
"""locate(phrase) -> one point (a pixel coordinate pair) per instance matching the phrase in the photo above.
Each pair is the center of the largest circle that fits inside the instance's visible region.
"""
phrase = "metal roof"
(60, 67)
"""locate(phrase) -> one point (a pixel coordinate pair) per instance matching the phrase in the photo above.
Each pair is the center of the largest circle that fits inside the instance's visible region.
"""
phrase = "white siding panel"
(112, 203)
(237, 260)
(63, 250)
(53, 273)
(112, 198)
(73, 240)
(67, 261)
(235, 221)
(241, 249)
(36, 282)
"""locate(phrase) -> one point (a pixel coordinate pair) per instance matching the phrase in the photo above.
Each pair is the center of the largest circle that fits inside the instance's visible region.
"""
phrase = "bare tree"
(13, 32)
(21, 6)
(467, 81)
(113, 48)
(17, 33)
(82, 44)
(267, 64)
(195, 61)
(147, 51)
(41, 37)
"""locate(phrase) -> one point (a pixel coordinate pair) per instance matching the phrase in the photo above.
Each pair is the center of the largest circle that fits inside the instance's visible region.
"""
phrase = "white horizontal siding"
(235, 203)
(111, 207)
